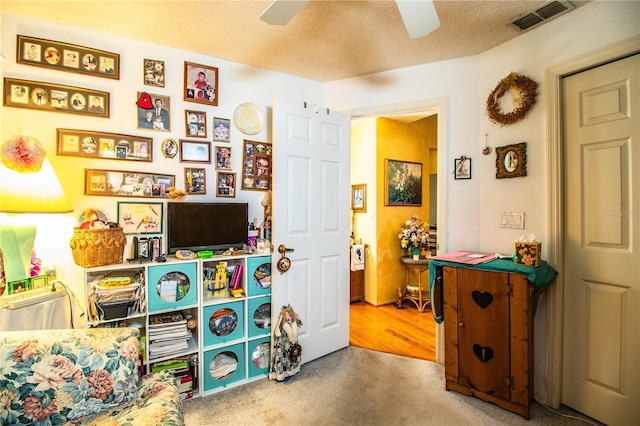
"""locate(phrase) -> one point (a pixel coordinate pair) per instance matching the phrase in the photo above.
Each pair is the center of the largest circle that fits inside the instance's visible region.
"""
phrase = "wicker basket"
(97, 247)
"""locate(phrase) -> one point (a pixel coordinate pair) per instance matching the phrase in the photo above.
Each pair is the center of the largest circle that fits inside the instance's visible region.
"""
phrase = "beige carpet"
(356, 386)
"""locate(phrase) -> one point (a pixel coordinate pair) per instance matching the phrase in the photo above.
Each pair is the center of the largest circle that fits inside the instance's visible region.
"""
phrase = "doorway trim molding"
(555, 184)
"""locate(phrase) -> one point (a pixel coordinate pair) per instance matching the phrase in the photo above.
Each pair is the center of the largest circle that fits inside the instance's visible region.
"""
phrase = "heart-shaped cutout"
(482, 299)
(484, 353)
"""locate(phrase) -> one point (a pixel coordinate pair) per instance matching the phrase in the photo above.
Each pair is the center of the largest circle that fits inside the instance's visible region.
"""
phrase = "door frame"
(555, 230)
(439, 106)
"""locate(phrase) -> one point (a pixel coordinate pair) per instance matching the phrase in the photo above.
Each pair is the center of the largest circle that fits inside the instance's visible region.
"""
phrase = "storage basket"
(97, 247)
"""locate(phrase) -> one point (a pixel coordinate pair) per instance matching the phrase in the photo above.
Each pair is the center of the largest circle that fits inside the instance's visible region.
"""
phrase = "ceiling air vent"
(542, 14)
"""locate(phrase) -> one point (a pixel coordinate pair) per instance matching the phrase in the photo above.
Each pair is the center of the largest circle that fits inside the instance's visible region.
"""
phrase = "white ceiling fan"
(419, 16)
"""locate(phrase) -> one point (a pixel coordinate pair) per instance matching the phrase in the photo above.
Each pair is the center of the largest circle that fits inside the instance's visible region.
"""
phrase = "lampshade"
(39, 192)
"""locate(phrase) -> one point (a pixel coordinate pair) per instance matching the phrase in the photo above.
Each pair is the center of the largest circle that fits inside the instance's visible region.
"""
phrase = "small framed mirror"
(511, 161)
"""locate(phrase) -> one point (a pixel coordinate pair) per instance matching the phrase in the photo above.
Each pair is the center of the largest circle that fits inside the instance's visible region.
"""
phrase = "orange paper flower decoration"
(23, 154)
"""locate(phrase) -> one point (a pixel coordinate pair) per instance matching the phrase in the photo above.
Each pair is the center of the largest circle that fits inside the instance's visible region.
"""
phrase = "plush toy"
(286, 353)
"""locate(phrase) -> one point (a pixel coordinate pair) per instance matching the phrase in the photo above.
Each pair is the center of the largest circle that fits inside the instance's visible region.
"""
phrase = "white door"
(311, 205)
(601, 361)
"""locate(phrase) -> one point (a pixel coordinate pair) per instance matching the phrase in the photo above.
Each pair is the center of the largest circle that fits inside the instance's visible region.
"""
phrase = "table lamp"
(28, 184)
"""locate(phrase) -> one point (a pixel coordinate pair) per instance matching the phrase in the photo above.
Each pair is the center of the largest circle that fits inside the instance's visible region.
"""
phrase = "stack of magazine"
(168, 335)
(181, 369)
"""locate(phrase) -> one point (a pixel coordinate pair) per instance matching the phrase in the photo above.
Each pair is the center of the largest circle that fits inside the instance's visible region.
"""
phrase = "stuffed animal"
(287, 353)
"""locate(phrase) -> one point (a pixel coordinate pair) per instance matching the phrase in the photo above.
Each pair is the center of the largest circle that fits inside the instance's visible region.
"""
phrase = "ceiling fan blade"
(281, 11)
(419, 16)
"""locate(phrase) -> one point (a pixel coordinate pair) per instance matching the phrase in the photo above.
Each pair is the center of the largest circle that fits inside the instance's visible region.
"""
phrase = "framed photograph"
(359, 198)
(223, 158)
(153, 72)
(169, 148)
(256, 166)
(195, 123)
(195, 152)
(462, 168)
(221, 127)
(194, 181)
(55, 97)
(18, 286)
(40, 281)
(511, 161)
(67, 57)
(200, 84)
(121, 183)
(87, 143)
(137, 218)
(147, 248)
(226, 184)
(403, 183)
(157, 116)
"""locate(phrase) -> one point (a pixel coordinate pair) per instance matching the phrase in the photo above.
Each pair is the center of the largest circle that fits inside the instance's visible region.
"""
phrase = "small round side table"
(415, 293)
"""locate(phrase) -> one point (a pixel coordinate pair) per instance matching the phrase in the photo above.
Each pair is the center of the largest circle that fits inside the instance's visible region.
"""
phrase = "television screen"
(206, 226)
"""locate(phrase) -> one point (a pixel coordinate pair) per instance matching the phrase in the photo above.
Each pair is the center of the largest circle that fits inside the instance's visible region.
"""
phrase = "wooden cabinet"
(356, 279)
(488, 324)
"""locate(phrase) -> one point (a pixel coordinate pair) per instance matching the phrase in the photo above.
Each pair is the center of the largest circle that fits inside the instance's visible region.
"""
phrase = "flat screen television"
(206, 226)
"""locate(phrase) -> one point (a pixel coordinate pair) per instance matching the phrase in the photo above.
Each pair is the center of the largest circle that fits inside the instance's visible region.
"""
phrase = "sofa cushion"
(60, 375)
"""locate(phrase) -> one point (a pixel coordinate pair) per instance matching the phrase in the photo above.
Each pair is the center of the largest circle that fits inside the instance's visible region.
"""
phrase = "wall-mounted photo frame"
(195, 181)
(226, 184)
(403, 183)
(55, 97)
(462, 168)
(221, 129)
(68, 57)
(195, 123)
(359, 198)
(120, 183)
(223, 158)
(195, 151)
(158, 116)
(109, 146)
(169, 148)
(256, 165)
(153, 72)
(511, 161)
(140, 218)
(200, 84)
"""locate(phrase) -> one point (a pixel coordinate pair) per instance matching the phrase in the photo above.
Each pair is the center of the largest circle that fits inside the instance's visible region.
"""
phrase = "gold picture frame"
(511, 161)
(67, 57)
(103, 145)
(403, 183)
(55, 97)
(121, 183)
(359, 198)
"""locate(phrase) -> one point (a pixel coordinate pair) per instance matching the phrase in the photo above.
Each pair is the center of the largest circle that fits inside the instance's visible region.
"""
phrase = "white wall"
(237, 83)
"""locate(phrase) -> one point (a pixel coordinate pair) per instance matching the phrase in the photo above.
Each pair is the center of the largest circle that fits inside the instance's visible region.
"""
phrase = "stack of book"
(179, 366)
(168, 335)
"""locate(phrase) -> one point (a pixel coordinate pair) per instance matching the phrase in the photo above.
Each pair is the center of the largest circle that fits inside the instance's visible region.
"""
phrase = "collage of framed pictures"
(136, 218)
(55, 97)
(112, 146)
(256, 165)
(195, 151)
(195, 181)
(67, 57)
(195, 123)
(226, 184)
(200, 84)
(119, 183)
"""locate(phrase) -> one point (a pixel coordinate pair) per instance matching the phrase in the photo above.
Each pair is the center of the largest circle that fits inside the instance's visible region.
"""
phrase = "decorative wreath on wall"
(523, 92)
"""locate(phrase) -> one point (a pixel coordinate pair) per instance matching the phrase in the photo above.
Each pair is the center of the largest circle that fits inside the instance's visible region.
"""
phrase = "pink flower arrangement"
(23, 154)
(414, 234)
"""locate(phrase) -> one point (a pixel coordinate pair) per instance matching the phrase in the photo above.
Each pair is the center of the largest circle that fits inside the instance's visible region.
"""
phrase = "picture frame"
(169, 148)
(195, 123)
(195, 151)
(120, 183)
(68, 57)
(158, 117)
(226, 184)
(39, 281)
(195, 181)
(221, 129)
(19, 286)
(223, 158)
(359, 198)
(511, 161)
(200, 84)
(140, 217)
(103, 145)
(462, 168)
(146, 249)
(52, 97)
(403, 183)
(153, 74)
(256, 165)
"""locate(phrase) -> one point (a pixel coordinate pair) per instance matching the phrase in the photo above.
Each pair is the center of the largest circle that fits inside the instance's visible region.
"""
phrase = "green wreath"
(522, 90)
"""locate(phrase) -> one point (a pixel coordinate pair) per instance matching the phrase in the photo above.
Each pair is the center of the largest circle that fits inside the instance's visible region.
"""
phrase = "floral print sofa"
(89, 376)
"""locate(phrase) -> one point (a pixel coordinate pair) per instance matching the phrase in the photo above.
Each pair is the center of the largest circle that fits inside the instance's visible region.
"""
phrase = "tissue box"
(528, 253)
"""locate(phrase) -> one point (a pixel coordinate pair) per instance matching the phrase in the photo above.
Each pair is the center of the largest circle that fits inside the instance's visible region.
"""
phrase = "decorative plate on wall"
(248, 118)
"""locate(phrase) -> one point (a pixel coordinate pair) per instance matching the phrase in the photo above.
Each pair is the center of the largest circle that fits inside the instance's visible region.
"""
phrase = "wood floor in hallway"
(388, 329)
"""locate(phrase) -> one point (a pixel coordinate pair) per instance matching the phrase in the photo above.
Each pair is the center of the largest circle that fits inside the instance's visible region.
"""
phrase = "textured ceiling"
(325, 41)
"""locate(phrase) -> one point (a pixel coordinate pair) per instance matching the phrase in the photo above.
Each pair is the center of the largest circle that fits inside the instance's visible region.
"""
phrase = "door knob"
(283, 263)
(284, 249)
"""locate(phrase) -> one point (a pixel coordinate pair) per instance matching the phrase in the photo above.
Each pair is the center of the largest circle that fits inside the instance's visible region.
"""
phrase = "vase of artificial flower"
(413, 236)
